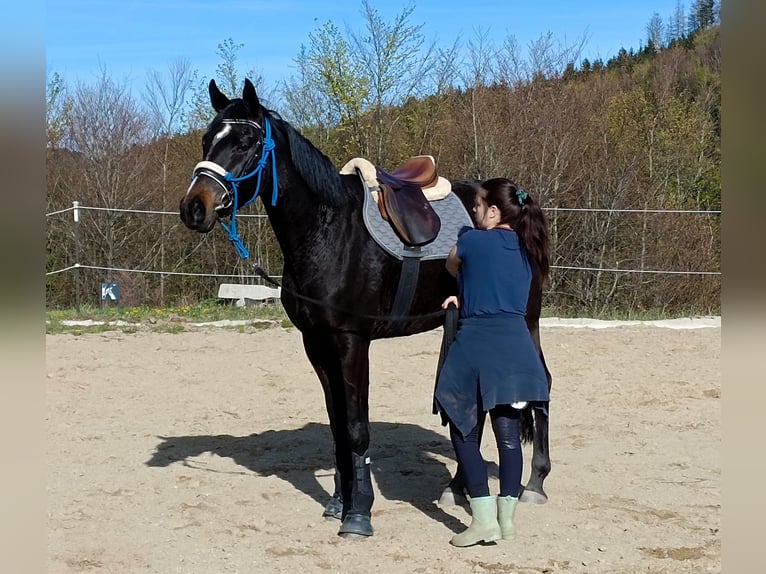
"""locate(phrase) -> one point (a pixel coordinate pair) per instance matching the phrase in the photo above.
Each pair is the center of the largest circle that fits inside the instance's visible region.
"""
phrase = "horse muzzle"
(208, 198)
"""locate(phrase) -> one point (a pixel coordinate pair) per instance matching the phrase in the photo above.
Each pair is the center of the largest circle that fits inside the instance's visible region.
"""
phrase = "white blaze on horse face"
(222, 133)
(226, 130)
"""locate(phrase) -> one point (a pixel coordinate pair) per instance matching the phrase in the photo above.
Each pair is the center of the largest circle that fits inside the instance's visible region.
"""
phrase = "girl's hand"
(451, 299)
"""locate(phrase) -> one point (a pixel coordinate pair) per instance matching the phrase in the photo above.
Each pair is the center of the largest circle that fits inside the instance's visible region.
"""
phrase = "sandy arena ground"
(209, 451)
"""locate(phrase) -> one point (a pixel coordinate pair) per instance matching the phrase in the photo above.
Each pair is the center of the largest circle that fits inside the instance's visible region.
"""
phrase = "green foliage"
(349, 85)
(226, 71)
(57, 104)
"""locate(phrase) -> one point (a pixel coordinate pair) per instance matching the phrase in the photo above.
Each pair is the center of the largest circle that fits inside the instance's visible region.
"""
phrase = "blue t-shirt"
(495, 274)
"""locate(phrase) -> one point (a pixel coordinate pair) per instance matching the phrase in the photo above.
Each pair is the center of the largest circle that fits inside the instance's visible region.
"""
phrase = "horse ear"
(217, 99)
(250, 97)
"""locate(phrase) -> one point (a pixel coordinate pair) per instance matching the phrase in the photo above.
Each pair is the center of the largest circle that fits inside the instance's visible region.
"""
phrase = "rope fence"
(564, 209)
(76, 207)
(242, 276)
(122, 210)
(151, 272)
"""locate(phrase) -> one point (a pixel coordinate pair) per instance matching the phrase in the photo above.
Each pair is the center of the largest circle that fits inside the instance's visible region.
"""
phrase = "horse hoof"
(333, 510)
(533, 497)
(452, 498)
(353, 536)
(355, 527)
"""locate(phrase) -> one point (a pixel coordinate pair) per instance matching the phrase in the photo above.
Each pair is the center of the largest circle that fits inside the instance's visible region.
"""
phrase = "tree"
(677, 28)
(229, 79)
(307, 105)
(361, 78)
(654, 33)
(548, 58)
(166, 98)
(339, 75)
(641, 132)
(56, 105)
(398, 62)
(482, 59)
(703, 14)
(108, 131)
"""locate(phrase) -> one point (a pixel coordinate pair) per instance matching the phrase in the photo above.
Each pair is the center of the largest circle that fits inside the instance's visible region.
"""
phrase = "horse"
(338, 285)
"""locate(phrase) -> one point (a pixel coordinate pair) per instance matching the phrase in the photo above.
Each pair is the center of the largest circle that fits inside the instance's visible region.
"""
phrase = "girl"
(492, 365)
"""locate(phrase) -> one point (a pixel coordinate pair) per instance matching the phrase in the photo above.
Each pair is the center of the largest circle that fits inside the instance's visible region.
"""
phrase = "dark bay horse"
(338, 285)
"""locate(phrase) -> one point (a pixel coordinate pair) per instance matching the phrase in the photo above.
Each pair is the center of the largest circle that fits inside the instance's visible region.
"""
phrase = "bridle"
(228, 182)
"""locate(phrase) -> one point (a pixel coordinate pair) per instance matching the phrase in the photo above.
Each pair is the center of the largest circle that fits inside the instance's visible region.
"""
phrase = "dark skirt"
(492, 361)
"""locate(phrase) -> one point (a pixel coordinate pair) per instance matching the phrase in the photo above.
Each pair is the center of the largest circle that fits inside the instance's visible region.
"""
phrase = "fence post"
(76, 215)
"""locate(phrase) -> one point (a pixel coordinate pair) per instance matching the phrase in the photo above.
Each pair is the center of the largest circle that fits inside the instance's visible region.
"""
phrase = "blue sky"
(130, 37)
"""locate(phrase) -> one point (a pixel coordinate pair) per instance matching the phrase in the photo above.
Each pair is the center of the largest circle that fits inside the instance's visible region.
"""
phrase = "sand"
(209, 451)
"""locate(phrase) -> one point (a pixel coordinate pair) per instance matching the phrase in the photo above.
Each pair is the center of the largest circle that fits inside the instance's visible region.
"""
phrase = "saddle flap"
(410, 214)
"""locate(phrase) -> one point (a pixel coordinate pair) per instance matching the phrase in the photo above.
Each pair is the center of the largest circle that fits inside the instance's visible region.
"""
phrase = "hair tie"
(522, 196)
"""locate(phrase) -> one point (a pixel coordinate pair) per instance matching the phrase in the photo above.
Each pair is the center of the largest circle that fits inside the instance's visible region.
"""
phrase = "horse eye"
(245, 142)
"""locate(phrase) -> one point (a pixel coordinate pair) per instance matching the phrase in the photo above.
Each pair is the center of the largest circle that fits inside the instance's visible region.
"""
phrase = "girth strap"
(408, 281)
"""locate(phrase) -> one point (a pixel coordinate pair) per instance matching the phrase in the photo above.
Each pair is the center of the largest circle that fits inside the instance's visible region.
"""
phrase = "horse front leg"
(357, 491)
(321, 354)
(341, 361)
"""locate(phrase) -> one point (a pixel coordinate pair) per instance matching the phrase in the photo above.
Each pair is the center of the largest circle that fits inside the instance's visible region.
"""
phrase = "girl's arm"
(453, 261)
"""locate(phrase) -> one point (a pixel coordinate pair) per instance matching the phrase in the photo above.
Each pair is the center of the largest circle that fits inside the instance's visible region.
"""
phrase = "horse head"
(234, 150)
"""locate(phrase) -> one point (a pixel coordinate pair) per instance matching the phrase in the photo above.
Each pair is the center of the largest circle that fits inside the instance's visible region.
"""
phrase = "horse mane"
(316, 169)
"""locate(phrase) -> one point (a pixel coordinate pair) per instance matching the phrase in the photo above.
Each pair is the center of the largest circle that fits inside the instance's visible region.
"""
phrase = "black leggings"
(505, 424)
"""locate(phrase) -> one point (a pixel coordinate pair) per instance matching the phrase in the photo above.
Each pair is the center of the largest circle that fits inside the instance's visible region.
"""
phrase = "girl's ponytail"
(519, 210)
(533, 231)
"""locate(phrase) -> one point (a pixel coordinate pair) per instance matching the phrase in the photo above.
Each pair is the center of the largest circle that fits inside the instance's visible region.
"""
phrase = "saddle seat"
(419, 170)
(402, 200)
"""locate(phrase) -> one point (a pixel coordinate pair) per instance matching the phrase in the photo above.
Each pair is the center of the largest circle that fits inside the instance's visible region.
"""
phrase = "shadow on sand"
(406, 461)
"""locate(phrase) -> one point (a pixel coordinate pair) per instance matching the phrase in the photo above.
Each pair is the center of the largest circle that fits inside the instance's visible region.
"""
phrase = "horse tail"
(527, 424)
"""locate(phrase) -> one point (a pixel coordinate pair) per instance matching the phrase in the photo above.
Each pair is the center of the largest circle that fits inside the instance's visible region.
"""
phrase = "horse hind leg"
(454, 494)
(533, 492)
(535, 423)
(333, 510)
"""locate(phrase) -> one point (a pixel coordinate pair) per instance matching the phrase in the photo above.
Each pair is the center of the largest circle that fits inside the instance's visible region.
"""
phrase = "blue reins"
(268, 150)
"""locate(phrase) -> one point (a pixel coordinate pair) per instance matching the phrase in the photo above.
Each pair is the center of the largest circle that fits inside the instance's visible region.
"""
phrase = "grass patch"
(179, 319)
(621, 314)
(165, 320)
(172, 328)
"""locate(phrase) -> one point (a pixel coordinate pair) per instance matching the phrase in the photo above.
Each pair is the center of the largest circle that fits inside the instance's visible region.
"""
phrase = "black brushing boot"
(356, 521)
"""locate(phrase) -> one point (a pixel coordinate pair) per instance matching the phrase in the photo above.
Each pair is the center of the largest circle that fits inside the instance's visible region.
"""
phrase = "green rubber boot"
(484, 526)
(506, 506)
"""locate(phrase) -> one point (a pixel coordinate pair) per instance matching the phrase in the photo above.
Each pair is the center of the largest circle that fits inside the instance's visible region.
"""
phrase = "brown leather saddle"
(404, 205)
